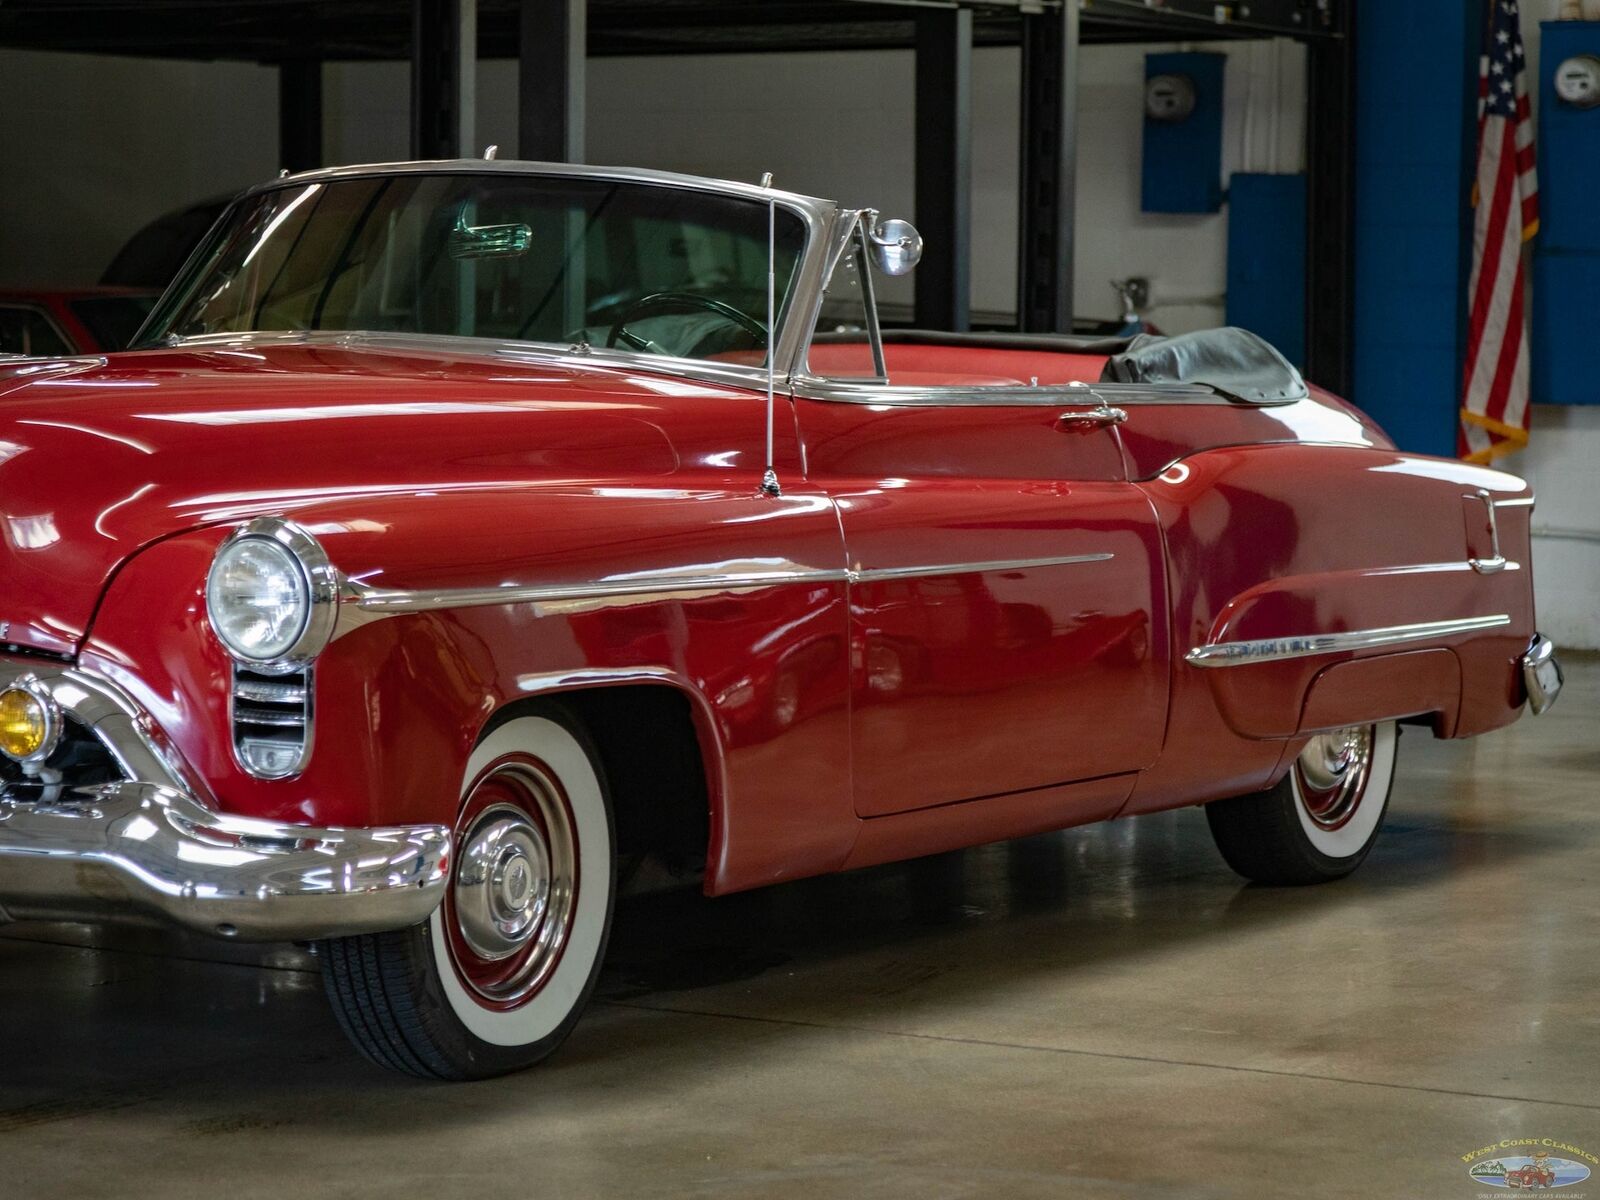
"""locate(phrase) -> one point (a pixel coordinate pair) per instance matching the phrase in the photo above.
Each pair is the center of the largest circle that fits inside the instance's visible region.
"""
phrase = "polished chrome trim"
(269, 693)
(1496, 561)
(1236, 654)
(1096, 396)
(393, 600)
(50, 710)
(879, 574)
(139, 748)
(323, 589)
(1516, 502)
(798, 201)
(117, 851)
(1094, 418)
(1541, 674)
(278, 720)
(555, 681)
(153, 844)
(302, 693)
(387, 601)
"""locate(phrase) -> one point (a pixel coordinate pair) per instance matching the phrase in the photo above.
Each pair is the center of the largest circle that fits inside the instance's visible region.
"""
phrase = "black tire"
(1272, 838)
(404, 999)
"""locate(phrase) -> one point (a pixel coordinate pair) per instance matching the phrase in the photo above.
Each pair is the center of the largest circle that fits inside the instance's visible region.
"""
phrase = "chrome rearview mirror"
(895, 245)
(488, 241)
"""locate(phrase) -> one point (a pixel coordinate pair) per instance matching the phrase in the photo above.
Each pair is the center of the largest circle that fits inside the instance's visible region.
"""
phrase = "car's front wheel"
(1322, 818)
(499, 975)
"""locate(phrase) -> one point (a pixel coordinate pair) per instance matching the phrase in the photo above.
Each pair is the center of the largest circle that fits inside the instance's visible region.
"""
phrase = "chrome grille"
(272, 722)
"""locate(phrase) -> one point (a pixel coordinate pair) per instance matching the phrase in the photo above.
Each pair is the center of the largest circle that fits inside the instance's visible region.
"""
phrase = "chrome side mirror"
(895, 246)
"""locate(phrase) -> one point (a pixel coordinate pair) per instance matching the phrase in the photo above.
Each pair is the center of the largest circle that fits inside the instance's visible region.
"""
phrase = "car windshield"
(645, 267)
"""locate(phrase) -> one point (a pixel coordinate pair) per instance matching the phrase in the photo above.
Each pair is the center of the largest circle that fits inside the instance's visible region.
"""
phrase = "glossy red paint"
(1005, 656)
(1408, 684)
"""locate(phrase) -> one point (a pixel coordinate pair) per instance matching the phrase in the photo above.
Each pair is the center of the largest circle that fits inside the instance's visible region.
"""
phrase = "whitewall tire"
(1321, 819)
(500, 973)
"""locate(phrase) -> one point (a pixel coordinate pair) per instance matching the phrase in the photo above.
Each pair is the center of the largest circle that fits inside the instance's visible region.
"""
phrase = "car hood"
(101, 457)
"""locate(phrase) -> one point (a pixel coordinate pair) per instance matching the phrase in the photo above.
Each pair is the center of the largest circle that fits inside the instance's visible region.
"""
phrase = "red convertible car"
(460, 534)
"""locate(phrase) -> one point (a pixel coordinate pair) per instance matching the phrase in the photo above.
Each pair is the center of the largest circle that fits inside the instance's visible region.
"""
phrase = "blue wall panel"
(1267, 259)
(1181, 171)
(1566, 266)
(1415, 67)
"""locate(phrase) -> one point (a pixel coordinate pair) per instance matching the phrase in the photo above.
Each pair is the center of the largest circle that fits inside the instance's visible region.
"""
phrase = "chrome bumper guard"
(1541, 674)
(151, 846)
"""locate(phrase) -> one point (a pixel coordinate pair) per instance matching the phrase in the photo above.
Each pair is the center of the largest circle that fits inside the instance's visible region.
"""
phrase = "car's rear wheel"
(1322, 818)
(500, 973)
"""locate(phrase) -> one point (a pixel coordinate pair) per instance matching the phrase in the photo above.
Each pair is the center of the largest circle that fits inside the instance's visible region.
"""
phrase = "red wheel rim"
(1331, 774)
(514, 887)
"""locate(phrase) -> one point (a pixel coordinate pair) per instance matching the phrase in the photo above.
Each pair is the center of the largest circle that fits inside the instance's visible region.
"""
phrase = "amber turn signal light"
(28, 725)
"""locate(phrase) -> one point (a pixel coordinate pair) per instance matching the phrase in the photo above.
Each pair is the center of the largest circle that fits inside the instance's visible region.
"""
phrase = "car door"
(1007, 607)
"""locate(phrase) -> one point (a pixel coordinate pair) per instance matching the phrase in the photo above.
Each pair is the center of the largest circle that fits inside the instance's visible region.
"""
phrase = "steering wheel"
(661, 301)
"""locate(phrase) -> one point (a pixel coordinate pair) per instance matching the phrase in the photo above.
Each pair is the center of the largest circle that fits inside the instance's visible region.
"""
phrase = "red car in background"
(50, 322)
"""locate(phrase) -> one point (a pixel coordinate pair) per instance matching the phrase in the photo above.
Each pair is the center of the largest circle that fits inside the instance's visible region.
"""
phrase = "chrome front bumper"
(150, 846)
(1541, 674)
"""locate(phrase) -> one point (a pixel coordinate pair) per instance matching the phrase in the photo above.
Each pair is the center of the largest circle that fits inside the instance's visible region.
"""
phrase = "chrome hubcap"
(516, 879)
(502, 883)
(1332, 773)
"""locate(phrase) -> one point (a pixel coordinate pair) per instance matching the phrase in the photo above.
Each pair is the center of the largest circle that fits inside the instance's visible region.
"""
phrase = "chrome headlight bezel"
(318, 577)
(50, 719)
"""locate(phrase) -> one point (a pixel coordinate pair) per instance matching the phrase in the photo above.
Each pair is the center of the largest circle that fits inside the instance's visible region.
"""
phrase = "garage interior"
(1107, 1010)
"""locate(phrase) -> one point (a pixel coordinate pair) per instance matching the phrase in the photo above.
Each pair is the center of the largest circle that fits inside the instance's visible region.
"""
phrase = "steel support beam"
(300, 114)
(552, 40)
(1330, 210)
(444, 59)
(944, 168)
(1046, 225)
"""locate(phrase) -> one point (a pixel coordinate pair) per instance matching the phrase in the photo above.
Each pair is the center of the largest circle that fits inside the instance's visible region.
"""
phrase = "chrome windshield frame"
(821, 219)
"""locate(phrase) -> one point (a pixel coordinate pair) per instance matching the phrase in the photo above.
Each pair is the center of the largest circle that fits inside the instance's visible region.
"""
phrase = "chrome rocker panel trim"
(1243, 653)
(152, 846)
(1541, 674)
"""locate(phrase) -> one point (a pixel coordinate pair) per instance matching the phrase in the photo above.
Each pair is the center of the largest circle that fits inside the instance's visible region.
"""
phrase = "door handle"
(1094, 418)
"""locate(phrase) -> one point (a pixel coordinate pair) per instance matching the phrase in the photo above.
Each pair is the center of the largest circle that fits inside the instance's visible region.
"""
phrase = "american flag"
(1494, 405)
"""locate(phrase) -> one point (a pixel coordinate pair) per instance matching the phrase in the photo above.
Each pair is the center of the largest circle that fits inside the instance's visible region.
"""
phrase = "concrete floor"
(1102, 1012)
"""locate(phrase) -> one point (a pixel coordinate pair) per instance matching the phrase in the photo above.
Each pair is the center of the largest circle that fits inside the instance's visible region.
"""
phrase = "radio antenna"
(769, 478)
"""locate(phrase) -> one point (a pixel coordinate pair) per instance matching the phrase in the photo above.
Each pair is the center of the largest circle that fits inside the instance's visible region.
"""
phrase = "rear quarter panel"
(1271, 541)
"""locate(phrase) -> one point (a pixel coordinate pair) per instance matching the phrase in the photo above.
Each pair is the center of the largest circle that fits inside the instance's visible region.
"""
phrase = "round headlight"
(258, 599)
(271, 594)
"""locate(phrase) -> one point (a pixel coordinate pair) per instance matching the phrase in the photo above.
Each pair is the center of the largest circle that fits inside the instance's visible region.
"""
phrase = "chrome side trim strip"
(390, 601)
(1236, 654)
(1093, 395)
(382, 600)
(878, 574)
